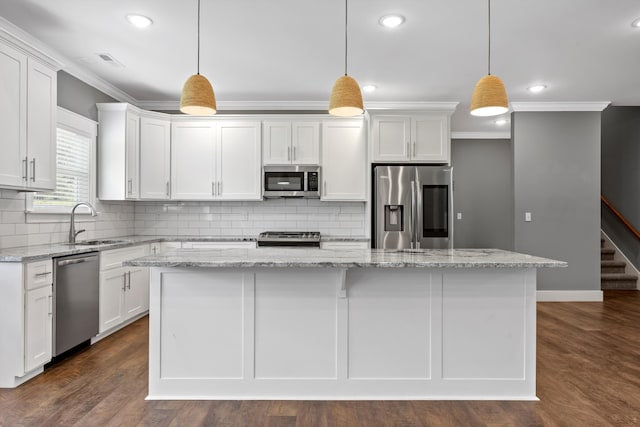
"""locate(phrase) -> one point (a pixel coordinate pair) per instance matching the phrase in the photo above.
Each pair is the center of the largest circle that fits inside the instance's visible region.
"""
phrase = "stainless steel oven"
(292, 181)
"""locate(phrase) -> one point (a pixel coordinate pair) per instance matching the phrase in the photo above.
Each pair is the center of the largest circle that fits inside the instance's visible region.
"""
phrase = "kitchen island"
(275, 323)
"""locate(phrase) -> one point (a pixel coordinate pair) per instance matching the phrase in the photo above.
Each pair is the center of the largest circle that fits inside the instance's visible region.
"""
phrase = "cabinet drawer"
(114, 258)
(38, 274)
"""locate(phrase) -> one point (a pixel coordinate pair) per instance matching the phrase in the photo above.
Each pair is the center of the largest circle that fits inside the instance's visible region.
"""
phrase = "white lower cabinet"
(124, 291)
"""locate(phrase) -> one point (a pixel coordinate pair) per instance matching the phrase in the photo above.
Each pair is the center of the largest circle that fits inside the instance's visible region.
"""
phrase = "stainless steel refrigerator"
(412, 207)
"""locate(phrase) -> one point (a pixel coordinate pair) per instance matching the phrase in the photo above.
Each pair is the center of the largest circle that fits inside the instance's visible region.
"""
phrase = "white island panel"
(484, 327)
(296, 324)
(390, 324)
(202, 324)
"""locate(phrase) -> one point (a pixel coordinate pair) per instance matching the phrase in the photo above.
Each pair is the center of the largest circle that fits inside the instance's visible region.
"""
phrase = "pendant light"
(197, 94)
(489, 96)
(346, 98)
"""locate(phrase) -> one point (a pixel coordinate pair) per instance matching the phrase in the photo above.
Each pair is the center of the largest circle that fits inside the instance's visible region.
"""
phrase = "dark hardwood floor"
(588, 375)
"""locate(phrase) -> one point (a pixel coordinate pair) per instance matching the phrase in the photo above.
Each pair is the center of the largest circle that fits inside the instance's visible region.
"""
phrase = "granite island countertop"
(344, 258)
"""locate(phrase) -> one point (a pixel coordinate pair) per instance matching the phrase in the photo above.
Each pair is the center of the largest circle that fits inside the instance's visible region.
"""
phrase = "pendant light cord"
(198, 36)
(346, 23)
(489, 50)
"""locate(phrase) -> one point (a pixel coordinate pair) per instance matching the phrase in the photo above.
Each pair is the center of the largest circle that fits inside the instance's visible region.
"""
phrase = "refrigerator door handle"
(412, 223)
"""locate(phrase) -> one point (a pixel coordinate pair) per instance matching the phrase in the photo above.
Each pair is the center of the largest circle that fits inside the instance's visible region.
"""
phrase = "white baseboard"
(560, 296)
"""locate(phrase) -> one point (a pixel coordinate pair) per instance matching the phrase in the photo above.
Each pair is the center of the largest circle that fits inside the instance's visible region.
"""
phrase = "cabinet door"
(42, 101)
(305, 143)
(38, 327)
(192, 161)
(343, 161)
(238, 163)
(132, 157)
(112, 285)
(155, 158)
(391, 138)
(430, 136)
(136, 294)
(13, 110)
(276, 142)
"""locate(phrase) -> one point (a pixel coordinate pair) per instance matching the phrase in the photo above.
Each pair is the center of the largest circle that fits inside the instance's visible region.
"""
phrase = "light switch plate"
(527, 216)
(459, 215)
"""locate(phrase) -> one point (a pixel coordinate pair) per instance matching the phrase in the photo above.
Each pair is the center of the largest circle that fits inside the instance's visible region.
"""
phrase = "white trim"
(559, 106)
(481, 135)
(560, 296)
(98, 83)
(619, 252)
(28, 44)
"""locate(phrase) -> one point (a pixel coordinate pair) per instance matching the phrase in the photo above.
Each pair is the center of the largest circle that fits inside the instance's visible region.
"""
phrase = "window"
(75, 166)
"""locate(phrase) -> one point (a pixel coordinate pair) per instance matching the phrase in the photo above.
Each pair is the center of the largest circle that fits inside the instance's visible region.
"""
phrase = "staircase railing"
(618, 215)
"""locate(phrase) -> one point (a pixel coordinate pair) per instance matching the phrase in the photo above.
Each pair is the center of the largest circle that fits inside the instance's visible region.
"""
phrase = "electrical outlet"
(527, 216)
(459, 215)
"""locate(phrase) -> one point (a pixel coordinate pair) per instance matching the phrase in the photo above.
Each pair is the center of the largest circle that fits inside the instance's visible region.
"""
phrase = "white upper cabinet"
(28, 125)
(155, 158)
(344, 160)
(423, 138)
(215, 160)
(118, 151)
(287, 142)
(193, 160)
(238, 160)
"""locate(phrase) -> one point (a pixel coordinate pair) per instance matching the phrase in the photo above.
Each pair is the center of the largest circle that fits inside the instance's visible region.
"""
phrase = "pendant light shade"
(197, 93)
(197, 97)
(489, 96)
(346, 97)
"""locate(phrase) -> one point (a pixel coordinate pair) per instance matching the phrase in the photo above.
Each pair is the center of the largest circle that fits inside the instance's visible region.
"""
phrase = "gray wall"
(557, 178)
(482, 172)
(77, 96)
(621, 176)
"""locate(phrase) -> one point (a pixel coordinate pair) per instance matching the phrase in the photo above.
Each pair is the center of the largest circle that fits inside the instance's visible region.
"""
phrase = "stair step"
(606, 254)
(618, 281)
(601, 242)
(609, 267)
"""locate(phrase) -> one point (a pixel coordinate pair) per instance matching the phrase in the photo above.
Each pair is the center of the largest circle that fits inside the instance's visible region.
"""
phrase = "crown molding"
(449, 107)
(33, 46)
(559, 106)
(30, 45)
(481, 135)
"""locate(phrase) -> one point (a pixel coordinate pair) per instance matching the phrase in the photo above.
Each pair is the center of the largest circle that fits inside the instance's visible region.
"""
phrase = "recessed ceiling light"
(501, 122)
(369, 88)
(636, 23)
(536, 88)
(391, 21)
(139, 21)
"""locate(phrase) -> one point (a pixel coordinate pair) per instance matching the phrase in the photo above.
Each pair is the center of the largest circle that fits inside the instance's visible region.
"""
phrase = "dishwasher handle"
(71, 261)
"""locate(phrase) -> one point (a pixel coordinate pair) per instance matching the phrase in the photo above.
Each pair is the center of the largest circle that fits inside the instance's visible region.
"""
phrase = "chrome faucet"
(72, 227)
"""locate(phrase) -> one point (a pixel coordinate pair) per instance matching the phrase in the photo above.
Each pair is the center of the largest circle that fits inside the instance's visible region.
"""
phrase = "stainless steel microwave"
(292, 181)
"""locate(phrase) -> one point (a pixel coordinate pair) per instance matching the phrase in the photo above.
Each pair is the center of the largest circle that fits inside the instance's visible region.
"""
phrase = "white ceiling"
(280, 51)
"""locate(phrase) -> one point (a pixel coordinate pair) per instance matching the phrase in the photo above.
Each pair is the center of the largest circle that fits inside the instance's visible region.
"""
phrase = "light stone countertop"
(39, 252)
(337, 258)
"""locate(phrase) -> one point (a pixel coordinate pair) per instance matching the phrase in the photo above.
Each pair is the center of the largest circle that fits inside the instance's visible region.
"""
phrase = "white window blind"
(73, 173)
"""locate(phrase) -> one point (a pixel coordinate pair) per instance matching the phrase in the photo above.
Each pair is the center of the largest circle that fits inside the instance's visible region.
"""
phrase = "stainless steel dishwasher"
(76, 298)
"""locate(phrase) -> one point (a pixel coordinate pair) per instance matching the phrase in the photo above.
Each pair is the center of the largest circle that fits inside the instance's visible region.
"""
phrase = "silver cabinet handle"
(294, 152)
(213, 188)
(25, 168)
(219, 188)
(50, 305)
(129, 275)
(33, 170)
(414, 148)
(288, 153)
(46, 273)
(124, 282)
(325, 188)
(129, 186)
(413, 214)
(167, 188)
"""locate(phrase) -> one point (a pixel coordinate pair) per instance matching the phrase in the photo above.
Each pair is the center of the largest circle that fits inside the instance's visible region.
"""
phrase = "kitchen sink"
(97, 242)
